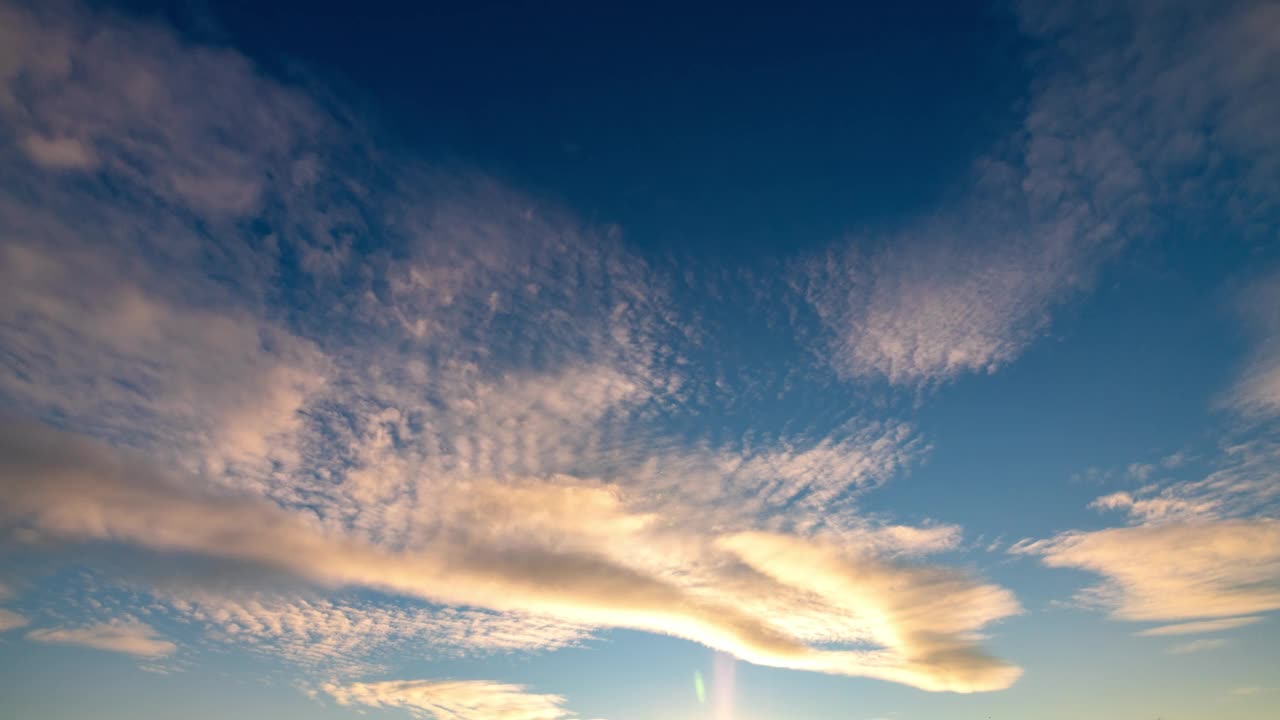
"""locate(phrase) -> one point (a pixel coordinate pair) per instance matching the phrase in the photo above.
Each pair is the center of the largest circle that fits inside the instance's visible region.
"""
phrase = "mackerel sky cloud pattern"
(291, 397)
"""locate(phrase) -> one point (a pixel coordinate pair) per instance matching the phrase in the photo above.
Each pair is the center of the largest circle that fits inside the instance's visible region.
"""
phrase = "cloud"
(224, 386)
(1163, 507)
(967, 293)
(130, 637)
(1257, 393)
(927, 615)
(1243, 484)
(355, 637)
(1250, 690)
(61, 153)
(58, 66)
(1179, 93)
(249, 289)
(1203, 555)
(1175, 571)
(10, 620)
(453, 699)
(539, 556)
(1202, 626)
(799, 483)
(1139, 113)
(268, 340)
(1196, 646)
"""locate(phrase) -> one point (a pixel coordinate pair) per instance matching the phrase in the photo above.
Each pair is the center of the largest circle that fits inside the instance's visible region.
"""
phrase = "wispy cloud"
(1176, 571)
(964, 294)
(537, 551)
(10, 620)
(452, 699)
(356, 638)
(1257, 393)
(1196, 646)
(1140, 112)
(61, 152)
(1198, 549)
(1175, 100)
(1250, 690)
(926, 615)
(1203, 554)
(1201, 626)
(129, 637)
(264, 338)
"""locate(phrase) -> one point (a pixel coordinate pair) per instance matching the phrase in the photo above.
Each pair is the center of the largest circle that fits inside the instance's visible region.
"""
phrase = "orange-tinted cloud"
(560, 551)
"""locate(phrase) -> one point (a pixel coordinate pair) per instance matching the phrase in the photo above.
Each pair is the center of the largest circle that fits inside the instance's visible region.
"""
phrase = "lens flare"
(699, 687)
(722, 671)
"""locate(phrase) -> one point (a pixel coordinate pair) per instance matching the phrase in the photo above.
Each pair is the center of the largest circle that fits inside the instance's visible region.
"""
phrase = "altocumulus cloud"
(64, 487)
(261, 339)
(453, 699)
(264, 342)
(1141, 114)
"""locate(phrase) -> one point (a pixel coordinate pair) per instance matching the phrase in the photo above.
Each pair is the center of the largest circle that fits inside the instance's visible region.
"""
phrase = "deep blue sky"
(725, 128)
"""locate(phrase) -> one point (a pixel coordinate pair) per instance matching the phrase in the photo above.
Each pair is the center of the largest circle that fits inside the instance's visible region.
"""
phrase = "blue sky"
(530, 363)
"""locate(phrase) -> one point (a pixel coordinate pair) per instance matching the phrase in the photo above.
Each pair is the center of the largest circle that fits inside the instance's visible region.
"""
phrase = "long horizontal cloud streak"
(1178, 571)
(353, 637)
(131, 638)
(70, 488)
(452, 699)
(1208, 548)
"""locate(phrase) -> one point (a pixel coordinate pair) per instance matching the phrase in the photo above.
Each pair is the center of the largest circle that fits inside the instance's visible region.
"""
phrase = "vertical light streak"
(722, 672)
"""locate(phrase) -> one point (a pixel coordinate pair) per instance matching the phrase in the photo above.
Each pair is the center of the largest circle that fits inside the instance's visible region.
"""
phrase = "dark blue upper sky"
(693, 127)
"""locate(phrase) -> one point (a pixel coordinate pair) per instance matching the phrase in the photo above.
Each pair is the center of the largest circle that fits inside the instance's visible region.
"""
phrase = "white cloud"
(62, 152)
(302, 352)
(10, 620)
(453, 699)
(151, 311)
(1185, 90)
(1257, 393)
(130, 637)
(220, 389)
(1243, 484)
(800, 484)
(355, 638)
(1203, 555)
(1175, 571)
(1165, 506)
(1201, 626)
(74, 87)
(927, 616)
(1196, 646)
(1139, 113)
(569, 551)
(964, 294)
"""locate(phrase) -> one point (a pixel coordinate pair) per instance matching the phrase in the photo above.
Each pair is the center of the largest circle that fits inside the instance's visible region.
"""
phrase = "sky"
(505, 361)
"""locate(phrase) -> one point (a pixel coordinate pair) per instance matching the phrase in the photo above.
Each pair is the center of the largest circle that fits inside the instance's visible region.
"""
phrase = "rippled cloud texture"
(405, 410)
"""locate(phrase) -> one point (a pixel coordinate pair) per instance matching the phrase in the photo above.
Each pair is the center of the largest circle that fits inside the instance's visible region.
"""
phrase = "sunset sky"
(574, 361)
